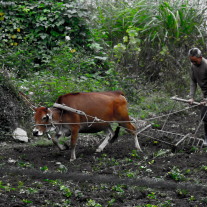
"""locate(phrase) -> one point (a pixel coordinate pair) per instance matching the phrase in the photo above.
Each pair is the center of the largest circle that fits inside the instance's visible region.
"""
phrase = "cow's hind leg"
(109, 134)
(56, 142)
(74, 136)
(129, 127)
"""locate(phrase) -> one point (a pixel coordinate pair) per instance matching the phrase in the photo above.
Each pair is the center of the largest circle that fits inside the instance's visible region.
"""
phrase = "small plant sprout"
(111, 202)
(61, 168)
(176, 174)
(93, 203)
(192, 198)
(44, 169)
(130, 174)
(152, 196)
(134, 154)
(66, 191)
(26, 201)
(187, 172)
(181, 192)
(203, 167)
(117, 188)
(151, 162)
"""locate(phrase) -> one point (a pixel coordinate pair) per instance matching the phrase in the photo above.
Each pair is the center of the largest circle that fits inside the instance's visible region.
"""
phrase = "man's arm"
(193, 87)
(193, 84)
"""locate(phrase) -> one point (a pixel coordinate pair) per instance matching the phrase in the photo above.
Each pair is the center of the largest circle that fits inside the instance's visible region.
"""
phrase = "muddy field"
(38, 174)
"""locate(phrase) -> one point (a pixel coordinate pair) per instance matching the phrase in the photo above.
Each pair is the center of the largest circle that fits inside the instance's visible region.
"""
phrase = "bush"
(37, 27)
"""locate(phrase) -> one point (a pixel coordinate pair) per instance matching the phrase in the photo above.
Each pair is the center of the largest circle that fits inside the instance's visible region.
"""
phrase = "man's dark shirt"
(199, 76)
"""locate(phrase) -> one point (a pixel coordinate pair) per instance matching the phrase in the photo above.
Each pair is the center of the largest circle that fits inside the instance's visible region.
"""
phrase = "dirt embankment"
(14, 112)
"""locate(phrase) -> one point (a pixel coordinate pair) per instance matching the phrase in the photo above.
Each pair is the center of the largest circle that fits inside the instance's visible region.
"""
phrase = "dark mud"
(161, 175)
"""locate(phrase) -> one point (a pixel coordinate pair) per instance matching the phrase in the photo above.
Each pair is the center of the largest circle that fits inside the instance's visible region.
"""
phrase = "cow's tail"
(116, 134)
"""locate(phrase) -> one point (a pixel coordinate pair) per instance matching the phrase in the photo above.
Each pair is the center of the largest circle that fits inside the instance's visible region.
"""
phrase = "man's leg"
(203, 113)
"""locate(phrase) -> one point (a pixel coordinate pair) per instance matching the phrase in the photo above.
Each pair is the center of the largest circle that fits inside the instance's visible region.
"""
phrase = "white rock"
(20, 134)
(11, 160)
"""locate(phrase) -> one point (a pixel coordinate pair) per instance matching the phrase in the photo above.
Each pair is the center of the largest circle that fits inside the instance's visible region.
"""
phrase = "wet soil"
(35, 174)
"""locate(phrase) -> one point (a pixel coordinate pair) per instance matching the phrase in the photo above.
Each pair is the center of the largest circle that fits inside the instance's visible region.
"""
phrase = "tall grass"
(148, 41)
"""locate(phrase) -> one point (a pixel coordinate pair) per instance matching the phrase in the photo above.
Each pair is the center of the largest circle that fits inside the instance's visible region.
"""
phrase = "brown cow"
(107, 106)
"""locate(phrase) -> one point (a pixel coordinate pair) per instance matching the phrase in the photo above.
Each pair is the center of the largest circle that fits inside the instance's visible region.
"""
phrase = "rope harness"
(97, 120)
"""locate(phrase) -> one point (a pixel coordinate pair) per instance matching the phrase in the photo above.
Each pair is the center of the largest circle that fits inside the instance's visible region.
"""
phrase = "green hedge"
(37, 28)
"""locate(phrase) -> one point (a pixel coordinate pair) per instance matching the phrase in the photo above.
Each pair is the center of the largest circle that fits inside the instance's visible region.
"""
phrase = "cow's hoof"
(71, 160)
(139, 150)
(99, 150)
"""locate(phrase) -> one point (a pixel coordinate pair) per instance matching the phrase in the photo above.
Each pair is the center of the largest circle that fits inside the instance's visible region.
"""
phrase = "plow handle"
(183, 100)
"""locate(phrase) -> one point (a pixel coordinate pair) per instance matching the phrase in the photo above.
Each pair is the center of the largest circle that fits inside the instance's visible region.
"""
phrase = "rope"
(186, 108)
(102, 121)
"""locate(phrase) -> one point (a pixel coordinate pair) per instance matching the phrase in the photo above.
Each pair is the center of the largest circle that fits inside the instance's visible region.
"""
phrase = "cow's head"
(43, 117)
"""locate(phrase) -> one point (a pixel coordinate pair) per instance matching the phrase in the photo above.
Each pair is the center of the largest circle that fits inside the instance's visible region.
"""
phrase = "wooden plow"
(172, 138)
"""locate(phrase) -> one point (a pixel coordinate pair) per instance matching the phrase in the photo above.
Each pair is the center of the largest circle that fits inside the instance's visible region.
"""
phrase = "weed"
(66, 191)
(160, 153)
(117, 188)
(31, 190)
(78, 193)
(134, 154)
(92, 203)
(151, 162)
(62, 168)
(20, 184)
(152, 196)
(25, 164)
(44, 169)
(176, 174)
(130, 175)
(166, 204)
(187, 172)
(7, 187)
(204, 200)
(26, 201)
(192, 198)
(111, 202)
(95, 168)
(104, 155)
(181, 192)
(203, 167)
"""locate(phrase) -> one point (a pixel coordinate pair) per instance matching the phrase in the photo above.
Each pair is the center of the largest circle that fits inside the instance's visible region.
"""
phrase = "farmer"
(199, 75)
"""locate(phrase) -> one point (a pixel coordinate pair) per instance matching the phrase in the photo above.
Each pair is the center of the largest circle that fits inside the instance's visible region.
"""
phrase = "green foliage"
(148, 41)
(26, 201)
(93, 203)
(66, 191)
(152, 196)
(76, 62)
(40, 26)
(45, 87)
(44, 168)
(43, 23)
(181, 192)
(176, 174)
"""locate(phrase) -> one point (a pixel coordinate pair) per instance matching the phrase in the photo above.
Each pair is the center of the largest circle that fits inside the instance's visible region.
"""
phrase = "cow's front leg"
(56, 142)
(109, 134)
